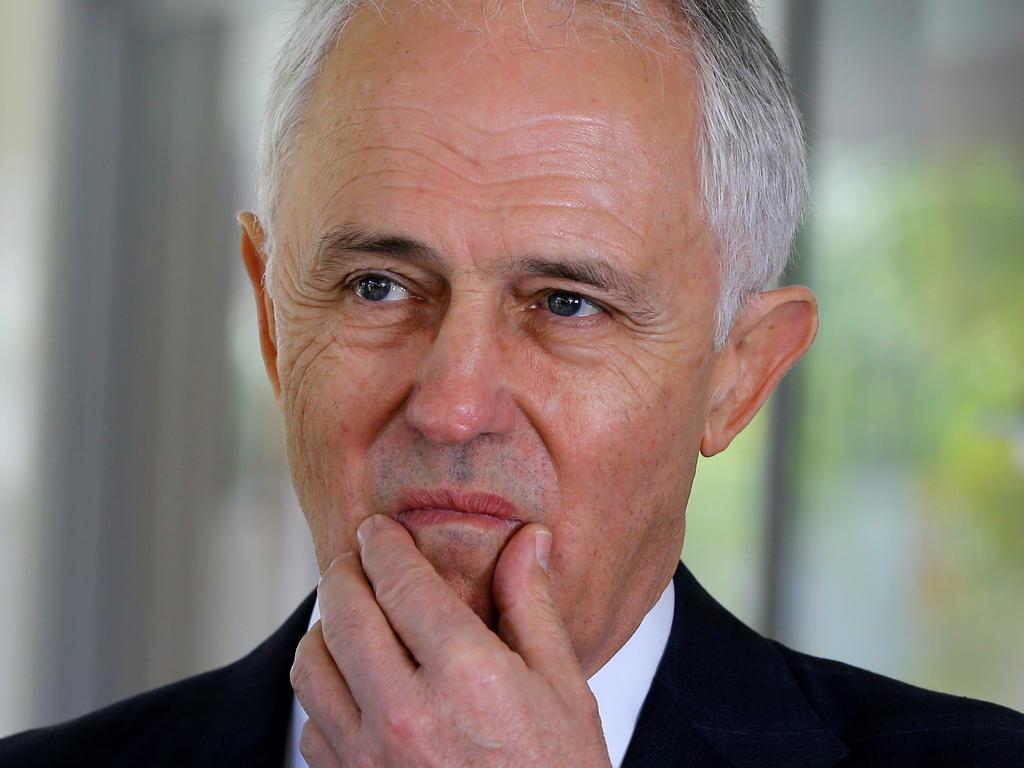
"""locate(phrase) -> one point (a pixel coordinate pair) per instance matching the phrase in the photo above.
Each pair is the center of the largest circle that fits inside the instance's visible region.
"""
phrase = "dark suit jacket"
(722, 696)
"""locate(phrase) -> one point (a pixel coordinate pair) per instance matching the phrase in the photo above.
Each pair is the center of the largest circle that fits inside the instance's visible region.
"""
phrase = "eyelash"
(350, 284)
(584, 321)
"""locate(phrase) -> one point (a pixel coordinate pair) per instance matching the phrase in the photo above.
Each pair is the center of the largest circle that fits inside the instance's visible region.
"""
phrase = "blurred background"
(873, 513)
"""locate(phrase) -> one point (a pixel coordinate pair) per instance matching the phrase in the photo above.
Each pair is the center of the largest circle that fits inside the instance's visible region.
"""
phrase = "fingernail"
(364, 530)
(542, 547)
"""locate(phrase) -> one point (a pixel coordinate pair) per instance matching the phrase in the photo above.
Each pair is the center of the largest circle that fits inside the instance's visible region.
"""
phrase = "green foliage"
(920, 361)
(918, 373)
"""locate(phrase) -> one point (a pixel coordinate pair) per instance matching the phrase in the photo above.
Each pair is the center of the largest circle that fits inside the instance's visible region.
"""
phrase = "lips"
(449, 506)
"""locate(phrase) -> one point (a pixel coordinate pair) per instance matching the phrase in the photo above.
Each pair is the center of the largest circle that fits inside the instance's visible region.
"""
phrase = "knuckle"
(309, 741)
(363, 759)
(338, 632)
(340, 567)
(399, 589)
(300, 676)
(404, 724)
(360, 761)
(468, 664)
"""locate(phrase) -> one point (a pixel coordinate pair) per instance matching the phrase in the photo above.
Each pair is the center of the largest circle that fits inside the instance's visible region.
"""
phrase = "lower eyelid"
(568, 324)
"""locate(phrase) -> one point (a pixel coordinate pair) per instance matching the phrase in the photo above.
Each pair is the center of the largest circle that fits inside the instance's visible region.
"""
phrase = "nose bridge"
(460, 390)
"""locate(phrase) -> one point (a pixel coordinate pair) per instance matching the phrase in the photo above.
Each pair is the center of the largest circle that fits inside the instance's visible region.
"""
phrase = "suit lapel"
(663, 738)
(723, 695)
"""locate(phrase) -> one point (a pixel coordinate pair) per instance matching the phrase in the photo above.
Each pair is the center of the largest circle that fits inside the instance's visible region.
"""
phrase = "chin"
(465, 559)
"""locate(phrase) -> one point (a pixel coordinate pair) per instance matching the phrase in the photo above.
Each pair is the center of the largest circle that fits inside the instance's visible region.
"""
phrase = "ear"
(770, 336)
(253, 239)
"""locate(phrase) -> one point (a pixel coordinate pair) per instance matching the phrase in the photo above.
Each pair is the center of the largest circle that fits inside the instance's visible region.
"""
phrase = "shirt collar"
(620, 686)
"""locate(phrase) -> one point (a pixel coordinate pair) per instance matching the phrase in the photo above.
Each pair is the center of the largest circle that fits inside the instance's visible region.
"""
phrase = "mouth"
(447, 507)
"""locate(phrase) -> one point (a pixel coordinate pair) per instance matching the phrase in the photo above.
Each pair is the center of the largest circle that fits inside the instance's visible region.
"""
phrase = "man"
(512, 266)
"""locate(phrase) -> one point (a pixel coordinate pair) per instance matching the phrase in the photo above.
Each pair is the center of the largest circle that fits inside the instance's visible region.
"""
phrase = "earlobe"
(722, 386)
(773, 332)
(252, 241)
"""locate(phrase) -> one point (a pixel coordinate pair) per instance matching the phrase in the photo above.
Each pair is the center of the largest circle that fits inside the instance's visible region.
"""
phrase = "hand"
(400, 672)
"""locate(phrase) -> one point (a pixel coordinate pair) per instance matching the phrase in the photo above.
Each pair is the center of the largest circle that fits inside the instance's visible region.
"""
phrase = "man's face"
(494, 276)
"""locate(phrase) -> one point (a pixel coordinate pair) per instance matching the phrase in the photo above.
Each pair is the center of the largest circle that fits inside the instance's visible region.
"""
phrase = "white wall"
(29, 34)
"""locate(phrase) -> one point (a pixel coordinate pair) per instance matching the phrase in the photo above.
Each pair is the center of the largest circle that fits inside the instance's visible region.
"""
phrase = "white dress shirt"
(620, 686)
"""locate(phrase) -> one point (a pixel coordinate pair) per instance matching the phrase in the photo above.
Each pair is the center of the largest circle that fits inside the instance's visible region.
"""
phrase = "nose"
(460, 390)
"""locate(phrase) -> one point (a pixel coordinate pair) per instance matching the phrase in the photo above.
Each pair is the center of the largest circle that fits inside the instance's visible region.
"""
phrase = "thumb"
(528, 618)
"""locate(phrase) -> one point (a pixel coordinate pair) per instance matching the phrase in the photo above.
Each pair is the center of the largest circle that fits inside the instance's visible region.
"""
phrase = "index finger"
(356, 633)
(427, 615)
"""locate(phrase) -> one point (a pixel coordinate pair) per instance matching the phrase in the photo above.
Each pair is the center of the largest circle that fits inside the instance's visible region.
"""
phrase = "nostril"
(453, 413)
(445, 418)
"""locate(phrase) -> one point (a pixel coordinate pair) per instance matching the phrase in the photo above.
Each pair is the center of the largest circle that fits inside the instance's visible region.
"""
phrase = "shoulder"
(135, 731)
(883, 721)
(235, 715)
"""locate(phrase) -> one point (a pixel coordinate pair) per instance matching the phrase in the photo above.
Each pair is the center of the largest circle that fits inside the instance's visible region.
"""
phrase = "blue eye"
(380, 288)
(566, 304)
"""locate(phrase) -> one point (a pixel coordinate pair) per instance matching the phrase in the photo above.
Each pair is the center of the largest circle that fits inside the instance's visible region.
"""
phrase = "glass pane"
(27, 81)
(911, 556)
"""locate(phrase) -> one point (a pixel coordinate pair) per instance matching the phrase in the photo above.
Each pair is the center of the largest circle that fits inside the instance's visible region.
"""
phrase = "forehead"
(520, 111)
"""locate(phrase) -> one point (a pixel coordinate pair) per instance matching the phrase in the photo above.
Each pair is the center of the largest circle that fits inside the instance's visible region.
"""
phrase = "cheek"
(625, 450)
(336, 399)
(624, 420)
(335, 390)
(625, 477)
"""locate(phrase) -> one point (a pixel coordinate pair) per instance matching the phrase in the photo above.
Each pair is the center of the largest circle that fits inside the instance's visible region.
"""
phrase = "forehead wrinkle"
(551, 176)
(355, 101)
(565, 134)
(544, 149)
(601, 244)
(597, 154)
(345, 82)
(341, 194)
(545, 207)
(451, 117)
(587, 183)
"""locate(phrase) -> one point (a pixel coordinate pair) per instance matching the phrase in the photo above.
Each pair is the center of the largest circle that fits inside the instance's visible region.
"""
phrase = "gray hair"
(753, 164)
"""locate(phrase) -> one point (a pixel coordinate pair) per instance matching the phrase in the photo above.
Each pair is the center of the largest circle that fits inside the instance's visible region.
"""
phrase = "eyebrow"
(595, 272)
(337, 246)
